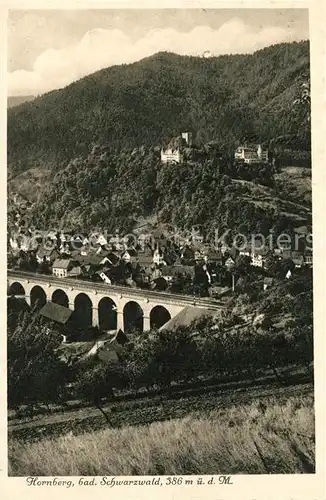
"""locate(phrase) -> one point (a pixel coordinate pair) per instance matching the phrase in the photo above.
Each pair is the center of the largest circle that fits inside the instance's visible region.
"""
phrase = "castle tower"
(187, 136)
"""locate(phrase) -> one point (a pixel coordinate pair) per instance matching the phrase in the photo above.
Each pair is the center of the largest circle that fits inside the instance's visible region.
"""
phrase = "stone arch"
(83, 310)
(60, 297)
(133, 317)
(107, 314)
(159, 315)
(37, 297)
(16, 288)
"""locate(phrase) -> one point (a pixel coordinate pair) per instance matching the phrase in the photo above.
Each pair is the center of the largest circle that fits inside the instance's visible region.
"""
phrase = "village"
(155, 261)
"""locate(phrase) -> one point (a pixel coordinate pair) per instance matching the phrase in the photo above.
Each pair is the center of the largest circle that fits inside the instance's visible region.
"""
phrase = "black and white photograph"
(159, 245)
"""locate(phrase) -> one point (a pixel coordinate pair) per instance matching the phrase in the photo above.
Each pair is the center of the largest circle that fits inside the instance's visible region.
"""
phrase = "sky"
(51, 48)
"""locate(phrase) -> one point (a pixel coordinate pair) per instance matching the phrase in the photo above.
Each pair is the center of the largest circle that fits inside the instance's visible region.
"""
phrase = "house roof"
(113, 257)
(91, 259)
(132, 252)
(43, 252)
(61, 263)
(145, 259)
(186, 317)
(75, 270)
(55, 312)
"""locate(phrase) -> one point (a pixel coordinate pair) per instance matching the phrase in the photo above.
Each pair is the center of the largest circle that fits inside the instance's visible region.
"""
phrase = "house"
(143, 242)
(245, 250)
(43, 254)
(267, 282)
(145, 260)
(75, 271)
(84, 250)
(65, 249)
(229, 263)
(111, 258)
(258, 257)
(213, 256)
(298, 259)
(156, 273)
(278, 252)
(158, 257)
(118, 246)
(105, 277)
(102, 240)
(170, 155)
(288, 274)
(168, 273)
(88, 270)
(57, 313)
(146, 274)
(65, 267)
(308, 259)
(129, 255)
(251, 154)
(187, 138)
(93, 260)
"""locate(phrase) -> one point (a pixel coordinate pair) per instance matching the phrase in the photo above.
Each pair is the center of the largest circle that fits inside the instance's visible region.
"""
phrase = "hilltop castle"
(173, 153)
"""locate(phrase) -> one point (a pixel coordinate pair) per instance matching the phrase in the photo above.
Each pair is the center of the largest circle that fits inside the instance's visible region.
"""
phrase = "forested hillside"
(114, 189)
(220, 98)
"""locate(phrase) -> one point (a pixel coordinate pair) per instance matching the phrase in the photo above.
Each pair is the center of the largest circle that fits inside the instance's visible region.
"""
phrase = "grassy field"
(264, 436)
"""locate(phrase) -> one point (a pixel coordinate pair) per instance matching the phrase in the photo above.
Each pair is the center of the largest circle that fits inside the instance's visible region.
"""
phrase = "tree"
(96, 380)
(35, 372)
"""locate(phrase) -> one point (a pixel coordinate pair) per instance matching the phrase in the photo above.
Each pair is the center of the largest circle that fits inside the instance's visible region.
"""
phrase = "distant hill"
(219, 98)
(18, 99)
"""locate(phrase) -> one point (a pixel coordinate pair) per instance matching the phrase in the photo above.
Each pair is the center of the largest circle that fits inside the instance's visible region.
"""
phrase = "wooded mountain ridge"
(145, 103)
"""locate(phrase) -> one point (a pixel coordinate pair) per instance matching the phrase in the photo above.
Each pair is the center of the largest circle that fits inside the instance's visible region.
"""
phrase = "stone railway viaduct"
(107, 306)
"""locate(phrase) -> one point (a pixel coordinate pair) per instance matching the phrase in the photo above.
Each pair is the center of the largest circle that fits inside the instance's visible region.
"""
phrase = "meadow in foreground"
(258, 438)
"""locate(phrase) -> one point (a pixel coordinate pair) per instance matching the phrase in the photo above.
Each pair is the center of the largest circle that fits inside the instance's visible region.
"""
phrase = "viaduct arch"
(108, 307)
(37, 297)
(107, 314)
(159, 315)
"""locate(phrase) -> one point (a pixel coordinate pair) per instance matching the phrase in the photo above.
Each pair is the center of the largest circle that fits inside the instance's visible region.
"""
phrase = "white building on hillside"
(251, 154)
(171, 156)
